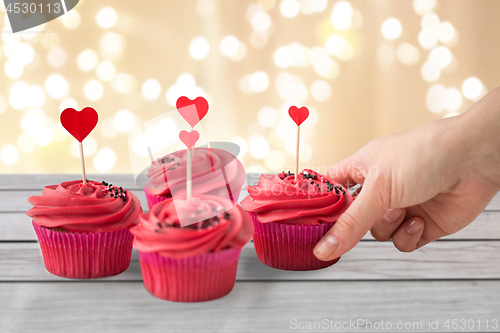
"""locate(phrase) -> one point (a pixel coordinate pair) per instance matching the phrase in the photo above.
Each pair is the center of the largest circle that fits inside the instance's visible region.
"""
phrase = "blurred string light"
(427, 38)
(259, 39)
(56, 57)
(104, 160)
(93, 90)
(430, 71)
(124, 121)
(267, 117)
(232, 48)
(38, 126)
(105, 70)
(56, 86)
(184, 86)
(291, 88)
(408, 54)
(292, 55)
(259, 81)
(151, 89)
(205, 7)
(35, 97)
(68, 102)
(289, 8)
(452, 100)
(323, 65)
(423, 6)
(87, 60)
(342, 14)
(71, 19)
(9, 154)
(391, 28)
(473, 89)
(123, 83)
(435, 98)
(106, 18)
(258, 146)
(112, 46)
(199, 48)
(261, 21)
(321, 90)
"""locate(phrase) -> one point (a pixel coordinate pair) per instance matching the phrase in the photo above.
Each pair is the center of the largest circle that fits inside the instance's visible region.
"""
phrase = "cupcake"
(290, 217)
(214, 172)
(197, 262)
(83, 230)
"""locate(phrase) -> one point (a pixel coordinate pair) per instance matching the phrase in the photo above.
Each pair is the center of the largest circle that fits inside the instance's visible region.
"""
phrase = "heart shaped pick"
(189, 138)
(298, 115)
(79, 123)
(192, 111)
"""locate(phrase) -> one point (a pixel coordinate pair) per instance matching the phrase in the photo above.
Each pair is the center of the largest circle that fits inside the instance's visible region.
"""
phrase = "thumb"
(352, 225)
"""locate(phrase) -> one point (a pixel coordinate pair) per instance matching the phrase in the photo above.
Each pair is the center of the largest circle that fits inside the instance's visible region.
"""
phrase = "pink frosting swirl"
(214, 172)
(313, 199)
(83, 208)
(218, 225)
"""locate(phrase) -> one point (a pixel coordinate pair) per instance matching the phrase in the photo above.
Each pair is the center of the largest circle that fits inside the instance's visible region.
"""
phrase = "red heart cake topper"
(189, 138)
(79, 123)
(298, 115)
(192, 111)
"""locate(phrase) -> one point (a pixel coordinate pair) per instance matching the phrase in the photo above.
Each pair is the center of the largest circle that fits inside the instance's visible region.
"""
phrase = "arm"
(422, 184)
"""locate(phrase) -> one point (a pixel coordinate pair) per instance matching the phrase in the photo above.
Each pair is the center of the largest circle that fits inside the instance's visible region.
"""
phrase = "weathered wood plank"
(367, 261)
(250, 307)
(17, 226)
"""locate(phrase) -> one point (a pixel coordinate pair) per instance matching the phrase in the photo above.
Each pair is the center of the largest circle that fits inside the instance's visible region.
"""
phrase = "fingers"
(346, 172)
(407, 237)
(351, 226)
(387, 224)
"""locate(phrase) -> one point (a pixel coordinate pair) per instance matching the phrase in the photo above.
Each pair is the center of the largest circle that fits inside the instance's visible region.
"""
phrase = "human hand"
(419, 185)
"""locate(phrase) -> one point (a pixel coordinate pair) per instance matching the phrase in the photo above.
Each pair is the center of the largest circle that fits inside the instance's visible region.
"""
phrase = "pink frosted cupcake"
(215, 172)
(83, 230)
(291, 217)
(196, 262)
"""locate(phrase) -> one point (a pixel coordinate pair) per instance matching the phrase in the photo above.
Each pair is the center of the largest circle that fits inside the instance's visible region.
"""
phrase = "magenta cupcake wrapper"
(154, 199)
(90, 255)
(195, 279)
(289, 246)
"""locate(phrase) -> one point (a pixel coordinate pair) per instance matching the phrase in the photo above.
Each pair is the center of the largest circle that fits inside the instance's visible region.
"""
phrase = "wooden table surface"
(373, 288)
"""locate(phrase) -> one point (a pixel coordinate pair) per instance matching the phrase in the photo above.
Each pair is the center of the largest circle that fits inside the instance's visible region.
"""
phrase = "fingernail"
(414, 227)
(392, 215)
(326, 247)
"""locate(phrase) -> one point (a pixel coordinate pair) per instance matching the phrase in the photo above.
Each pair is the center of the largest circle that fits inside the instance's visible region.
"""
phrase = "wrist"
(479, 132)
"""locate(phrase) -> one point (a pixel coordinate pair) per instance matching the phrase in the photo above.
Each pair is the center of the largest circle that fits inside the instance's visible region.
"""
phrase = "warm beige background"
(373, 94)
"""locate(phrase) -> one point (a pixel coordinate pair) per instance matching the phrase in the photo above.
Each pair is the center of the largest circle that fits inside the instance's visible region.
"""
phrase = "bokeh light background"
(364, 69)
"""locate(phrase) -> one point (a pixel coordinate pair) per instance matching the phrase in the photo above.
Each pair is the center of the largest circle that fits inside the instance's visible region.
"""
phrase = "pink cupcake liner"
(289, 246)
(195, 279)
(90, 255)
(153, 199)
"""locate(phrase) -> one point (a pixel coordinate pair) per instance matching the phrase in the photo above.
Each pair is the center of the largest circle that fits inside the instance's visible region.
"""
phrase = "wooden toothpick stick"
(189, 176)
(83, 164)
(297, 154)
